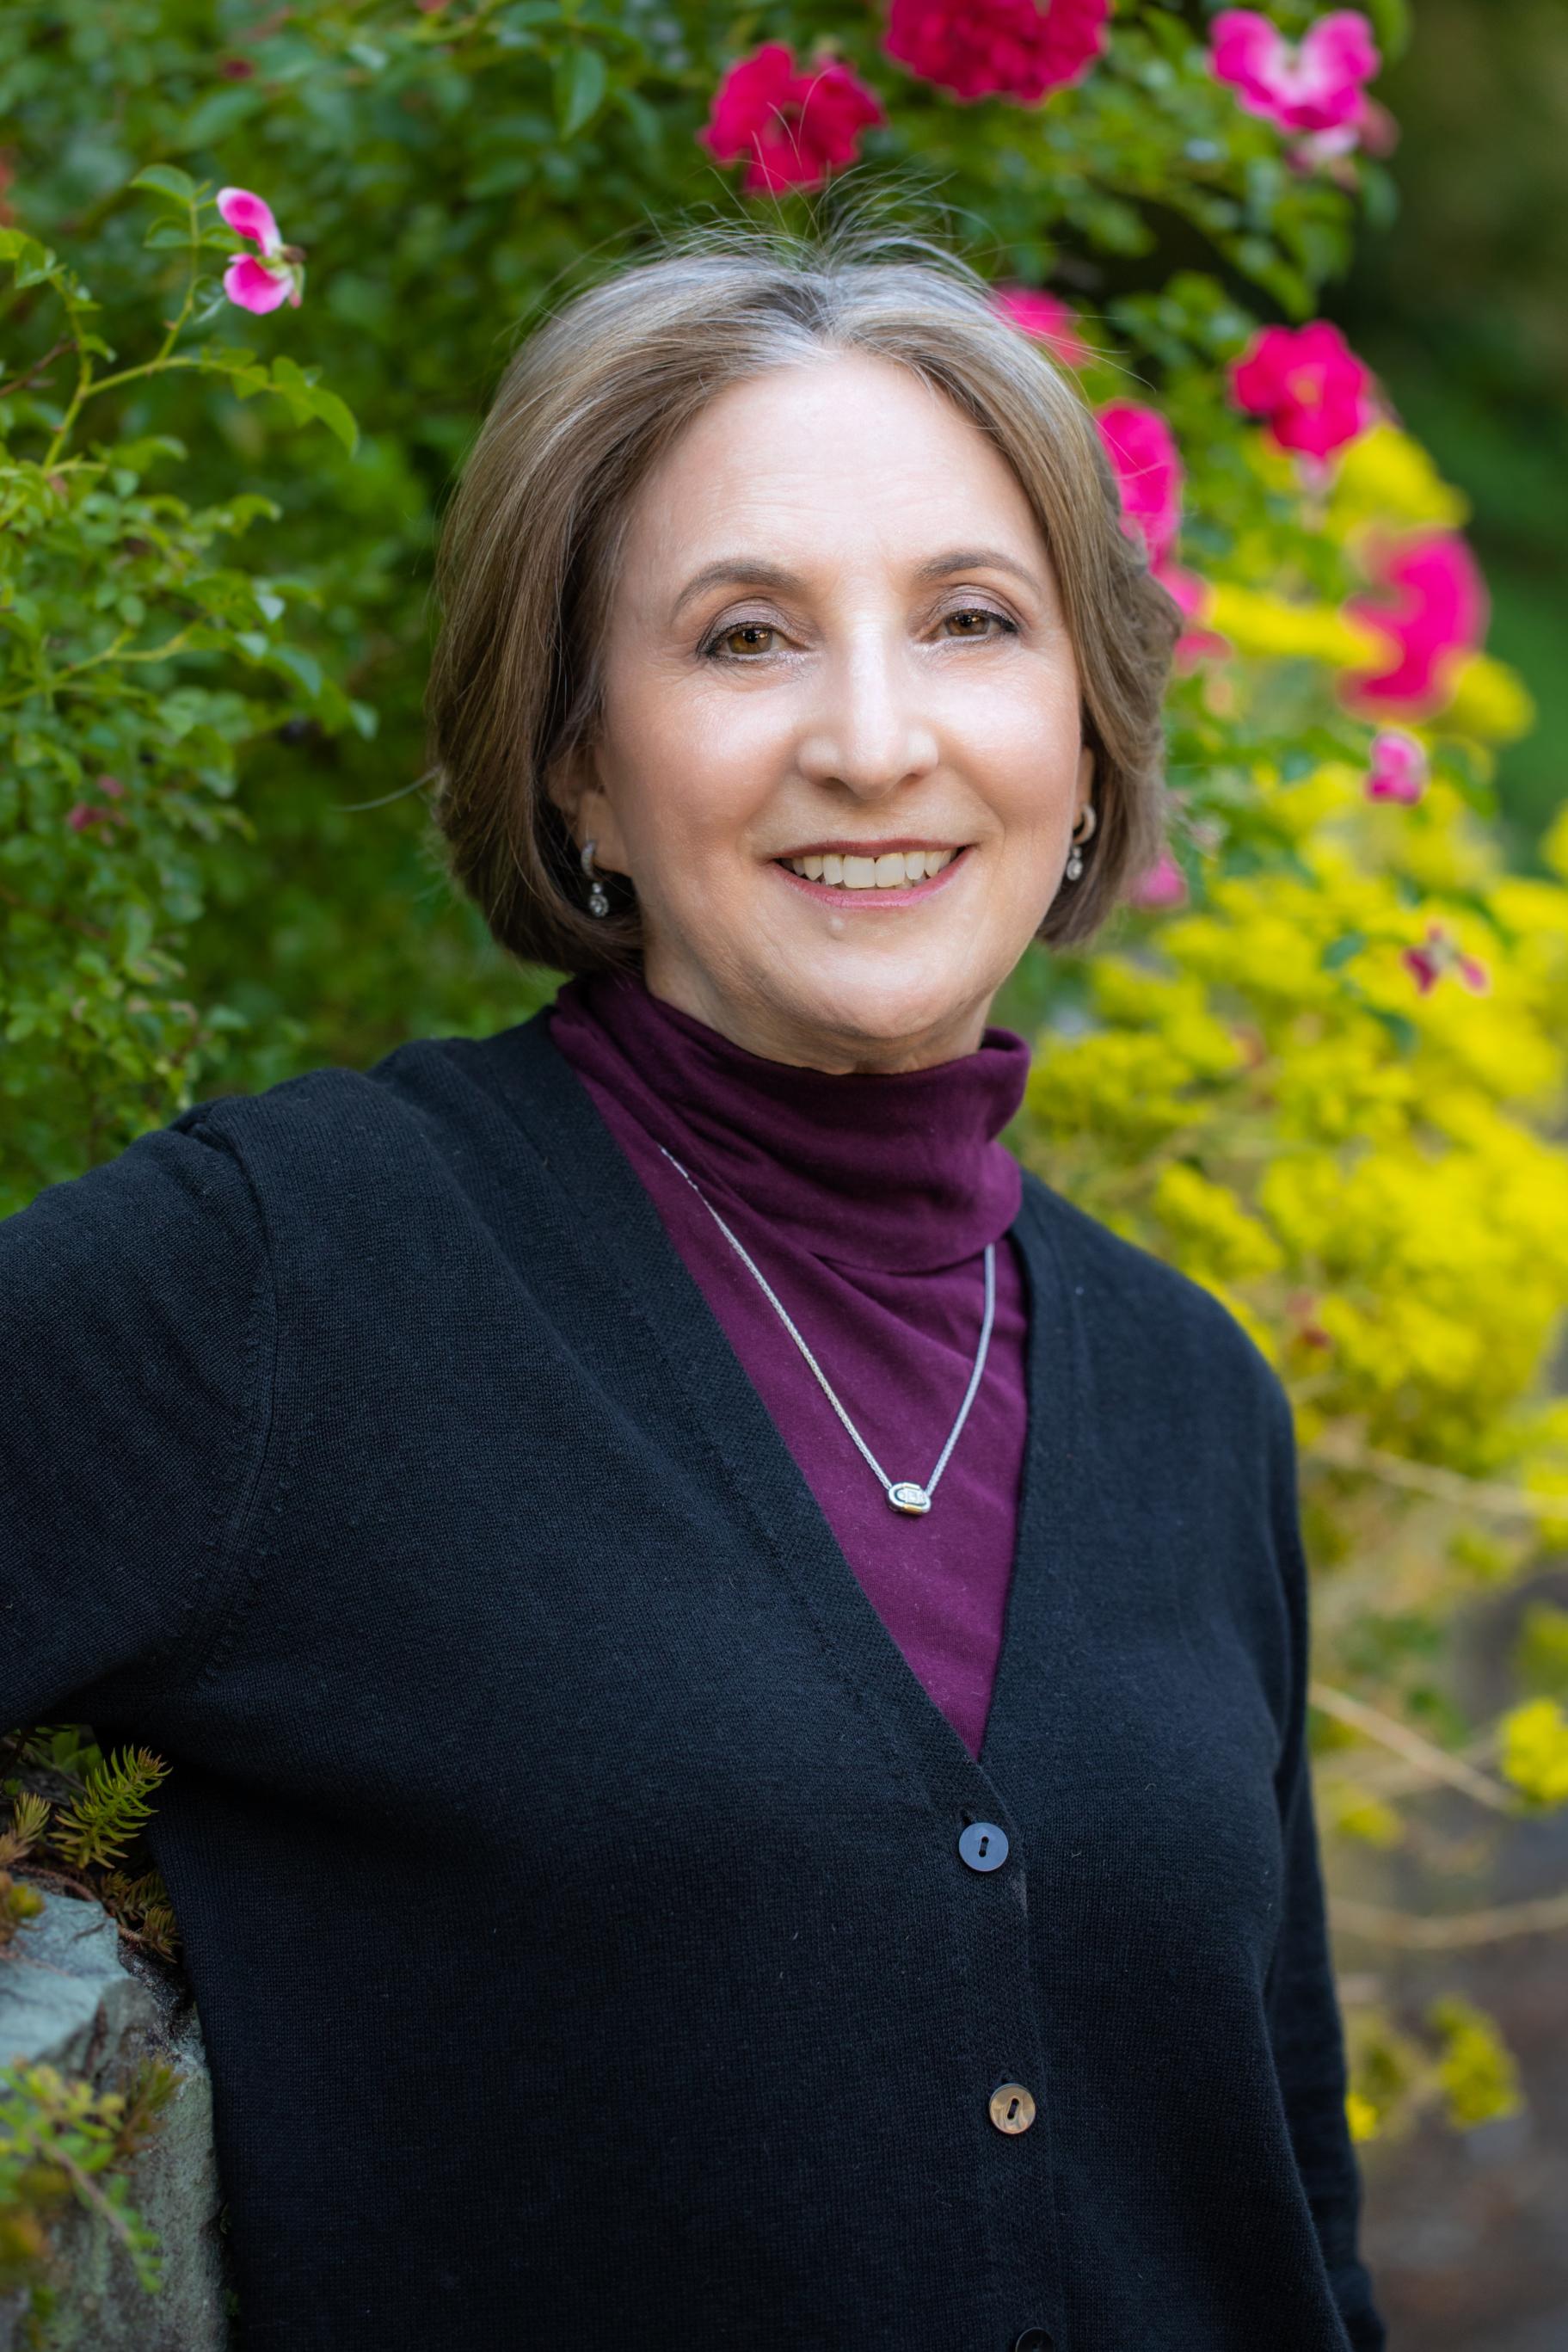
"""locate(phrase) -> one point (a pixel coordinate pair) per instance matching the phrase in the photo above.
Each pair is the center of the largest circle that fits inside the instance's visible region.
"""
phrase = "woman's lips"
(907, 894)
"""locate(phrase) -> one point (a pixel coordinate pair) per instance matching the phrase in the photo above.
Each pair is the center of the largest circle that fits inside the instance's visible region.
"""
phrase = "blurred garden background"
(260, 267)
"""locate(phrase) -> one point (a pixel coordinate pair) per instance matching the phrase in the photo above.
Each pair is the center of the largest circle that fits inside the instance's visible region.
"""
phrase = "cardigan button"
(984, 1846)
(1011, 2107)
(1034, 2339)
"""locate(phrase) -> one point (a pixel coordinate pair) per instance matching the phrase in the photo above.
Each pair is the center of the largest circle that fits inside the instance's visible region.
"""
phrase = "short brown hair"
(589, 403)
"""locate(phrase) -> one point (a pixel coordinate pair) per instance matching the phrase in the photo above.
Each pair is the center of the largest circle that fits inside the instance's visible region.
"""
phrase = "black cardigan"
(567, 1859)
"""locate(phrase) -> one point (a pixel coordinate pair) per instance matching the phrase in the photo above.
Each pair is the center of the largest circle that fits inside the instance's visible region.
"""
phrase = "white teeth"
(893, 867)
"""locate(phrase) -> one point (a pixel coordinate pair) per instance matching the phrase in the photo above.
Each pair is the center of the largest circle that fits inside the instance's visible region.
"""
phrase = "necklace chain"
(903, 1494)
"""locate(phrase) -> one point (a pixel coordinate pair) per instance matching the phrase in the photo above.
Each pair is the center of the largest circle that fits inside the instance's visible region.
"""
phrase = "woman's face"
(836, 636)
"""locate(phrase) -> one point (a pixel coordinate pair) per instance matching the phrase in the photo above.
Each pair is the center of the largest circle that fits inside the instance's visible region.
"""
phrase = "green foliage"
(103, 1819)
(63, 2141)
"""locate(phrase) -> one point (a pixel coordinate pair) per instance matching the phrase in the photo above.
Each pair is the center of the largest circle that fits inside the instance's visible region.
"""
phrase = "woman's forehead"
(852, 456)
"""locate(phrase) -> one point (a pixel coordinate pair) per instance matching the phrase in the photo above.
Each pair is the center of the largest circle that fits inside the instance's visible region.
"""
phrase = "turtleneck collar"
(899, 1171)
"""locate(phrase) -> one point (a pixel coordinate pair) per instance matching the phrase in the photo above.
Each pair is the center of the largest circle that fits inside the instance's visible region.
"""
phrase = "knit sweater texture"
(566, 1858)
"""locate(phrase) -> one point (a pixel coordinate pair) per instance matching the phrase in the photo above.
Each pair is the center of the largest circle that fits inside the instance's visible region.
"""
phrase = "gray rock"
(69, 2000)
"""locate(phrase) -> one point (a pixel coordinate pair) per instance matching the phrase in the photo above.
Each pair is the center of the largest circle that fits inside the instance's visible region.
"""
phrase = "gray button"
(1011, 2107)
(1034, 2339)
(984, 1846)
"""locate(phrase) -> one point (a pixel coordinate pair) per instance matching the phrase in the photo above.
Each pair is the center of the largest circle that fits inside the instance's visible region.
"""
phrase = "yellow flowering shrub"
(1327, 1078)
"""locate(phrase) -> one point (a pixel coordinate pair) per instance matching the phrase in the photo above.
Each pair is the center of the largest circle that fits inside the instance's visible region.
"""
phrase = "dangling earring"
(597, 903)
(1075, 855)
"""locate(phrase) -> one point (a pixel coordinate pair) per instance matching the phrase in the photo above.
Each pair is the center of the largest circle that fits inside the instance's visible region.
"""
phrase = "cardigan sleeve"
(136, 1321)
(1302, 2007)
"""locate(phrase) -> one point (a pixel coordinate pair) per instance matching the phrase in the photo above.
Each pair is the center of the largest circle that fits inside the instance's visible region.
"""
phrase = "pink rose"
(796, 128)
(1398, 769)
(259, 284)
(1192, 596)
(1314, 85)
(1048, 319)
(1431, 608)
(1162, 886)
(1143, 451)
(1010, 48)
(1307, 385)
(1149, 473)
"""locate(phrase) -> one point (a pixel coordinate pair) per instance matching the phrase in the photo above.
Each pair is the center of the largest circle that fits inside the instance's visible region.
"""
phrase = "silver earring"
(1075, 855)
(597, 903)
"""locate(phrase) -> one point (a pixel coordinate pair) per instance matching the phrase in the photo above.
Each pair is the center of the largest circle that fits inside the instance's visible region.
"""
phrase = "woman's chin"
(884, 1011)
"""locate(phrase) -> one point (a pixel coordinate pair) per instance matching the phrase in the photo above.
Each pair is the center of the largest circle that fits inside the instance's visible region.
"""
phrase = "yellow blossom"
(1535, 1750)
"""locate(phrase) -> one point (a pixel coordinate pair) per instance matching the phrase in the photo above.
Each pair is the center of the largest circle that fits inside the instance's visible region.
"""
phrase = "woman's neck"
(900, 1169)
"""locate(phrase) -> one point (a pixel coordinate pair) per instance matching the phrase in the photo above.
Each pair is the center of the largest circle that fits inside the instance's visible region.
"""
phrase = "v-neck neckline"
(604, 1202)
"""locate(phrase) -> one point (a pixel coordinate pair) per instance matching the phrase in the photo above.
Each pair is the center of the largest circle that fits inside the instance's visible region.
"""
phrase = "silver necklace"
(905, 1494)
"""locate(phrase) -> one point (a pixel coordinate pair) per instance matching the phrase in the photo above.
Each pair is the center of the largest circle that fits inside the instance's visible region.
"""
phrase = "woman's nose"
(870, 732)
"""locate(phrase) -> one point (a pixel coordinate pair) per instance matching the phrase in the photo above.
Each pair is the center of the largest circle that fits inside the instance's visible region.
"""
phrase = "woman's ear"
(572, 783)
(1085, 781)
(564, 781)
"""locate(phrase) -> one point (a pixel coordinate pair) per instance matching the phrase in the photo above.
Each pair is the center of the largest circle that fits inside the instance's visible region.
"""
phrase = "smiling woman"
(760, 1652)
(763, 556)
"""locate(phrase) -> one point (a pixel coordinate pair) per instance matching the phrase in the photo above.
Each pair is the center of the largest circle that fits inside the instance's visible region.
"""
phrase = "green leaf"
(337, 418)
(299, 664)
(166, 180)
(34, 262)
(580, 84)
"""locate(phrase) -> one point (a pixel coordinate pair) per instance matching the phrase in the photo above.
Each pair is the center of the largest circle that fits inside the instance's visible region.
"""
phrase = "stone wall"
(69, 2000)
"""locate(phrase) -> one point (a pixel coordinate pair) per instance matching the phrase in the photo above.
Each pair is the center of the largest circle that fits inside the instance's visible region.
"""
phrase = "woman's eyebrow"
(756, 572)
(977, 559)
(744, 572)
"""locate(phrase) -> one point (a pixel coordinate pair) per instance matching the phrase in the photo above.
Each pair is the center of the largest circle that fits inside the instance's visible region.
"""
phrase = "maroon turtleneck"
(867, 1200)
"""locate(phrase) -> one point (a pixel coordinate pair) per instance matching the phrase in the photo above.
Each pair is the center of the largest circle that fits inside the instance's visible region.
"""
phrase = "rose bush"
(1322, 1064)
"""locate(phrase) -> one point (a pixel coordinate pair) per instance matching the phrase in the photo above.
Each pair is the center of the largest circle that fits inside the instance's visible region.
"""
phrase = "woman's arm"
(136, 1347)
(1302, 2008)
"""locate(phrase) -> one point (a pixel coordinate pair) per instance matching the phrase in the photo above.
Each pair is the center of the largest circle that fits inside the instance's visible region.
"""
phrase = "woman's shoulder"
(417, 1115)
(234, 1176)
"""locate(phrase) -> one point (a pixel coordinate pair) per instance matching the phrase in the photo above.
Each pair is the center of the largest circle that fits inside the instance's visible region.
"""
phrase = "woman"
(734, 1666)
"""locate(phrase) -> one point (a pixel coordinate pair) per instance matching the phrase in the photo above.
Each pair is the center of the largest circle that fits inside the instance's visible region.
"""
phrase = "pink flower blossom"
(1307, 386)
(1431, 609)
(1438, 954)
(1192, 596)
(1164, 885)
(1011, 49)
(259, 284)
(1046, 317)
(1374, 131)
(1398, 769)
(85, 813)
(1314, 85)
(1148, 468)
(1143, 451)
(795, 127)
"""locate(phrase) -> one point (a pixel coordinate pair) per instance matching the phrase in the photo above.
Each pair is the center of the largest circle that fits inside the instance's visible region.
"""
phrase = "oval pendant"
(907, 1496)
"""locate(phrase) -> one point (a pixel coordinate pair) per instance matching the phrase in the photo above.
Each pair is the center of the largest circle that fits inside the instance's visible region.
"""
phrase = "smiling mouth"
(894, 869)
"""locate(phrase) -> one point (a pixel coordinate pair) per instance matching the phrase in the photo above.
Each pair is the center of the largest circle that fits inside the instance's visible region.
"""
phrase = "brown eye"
(980, 612)
(751, 629)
